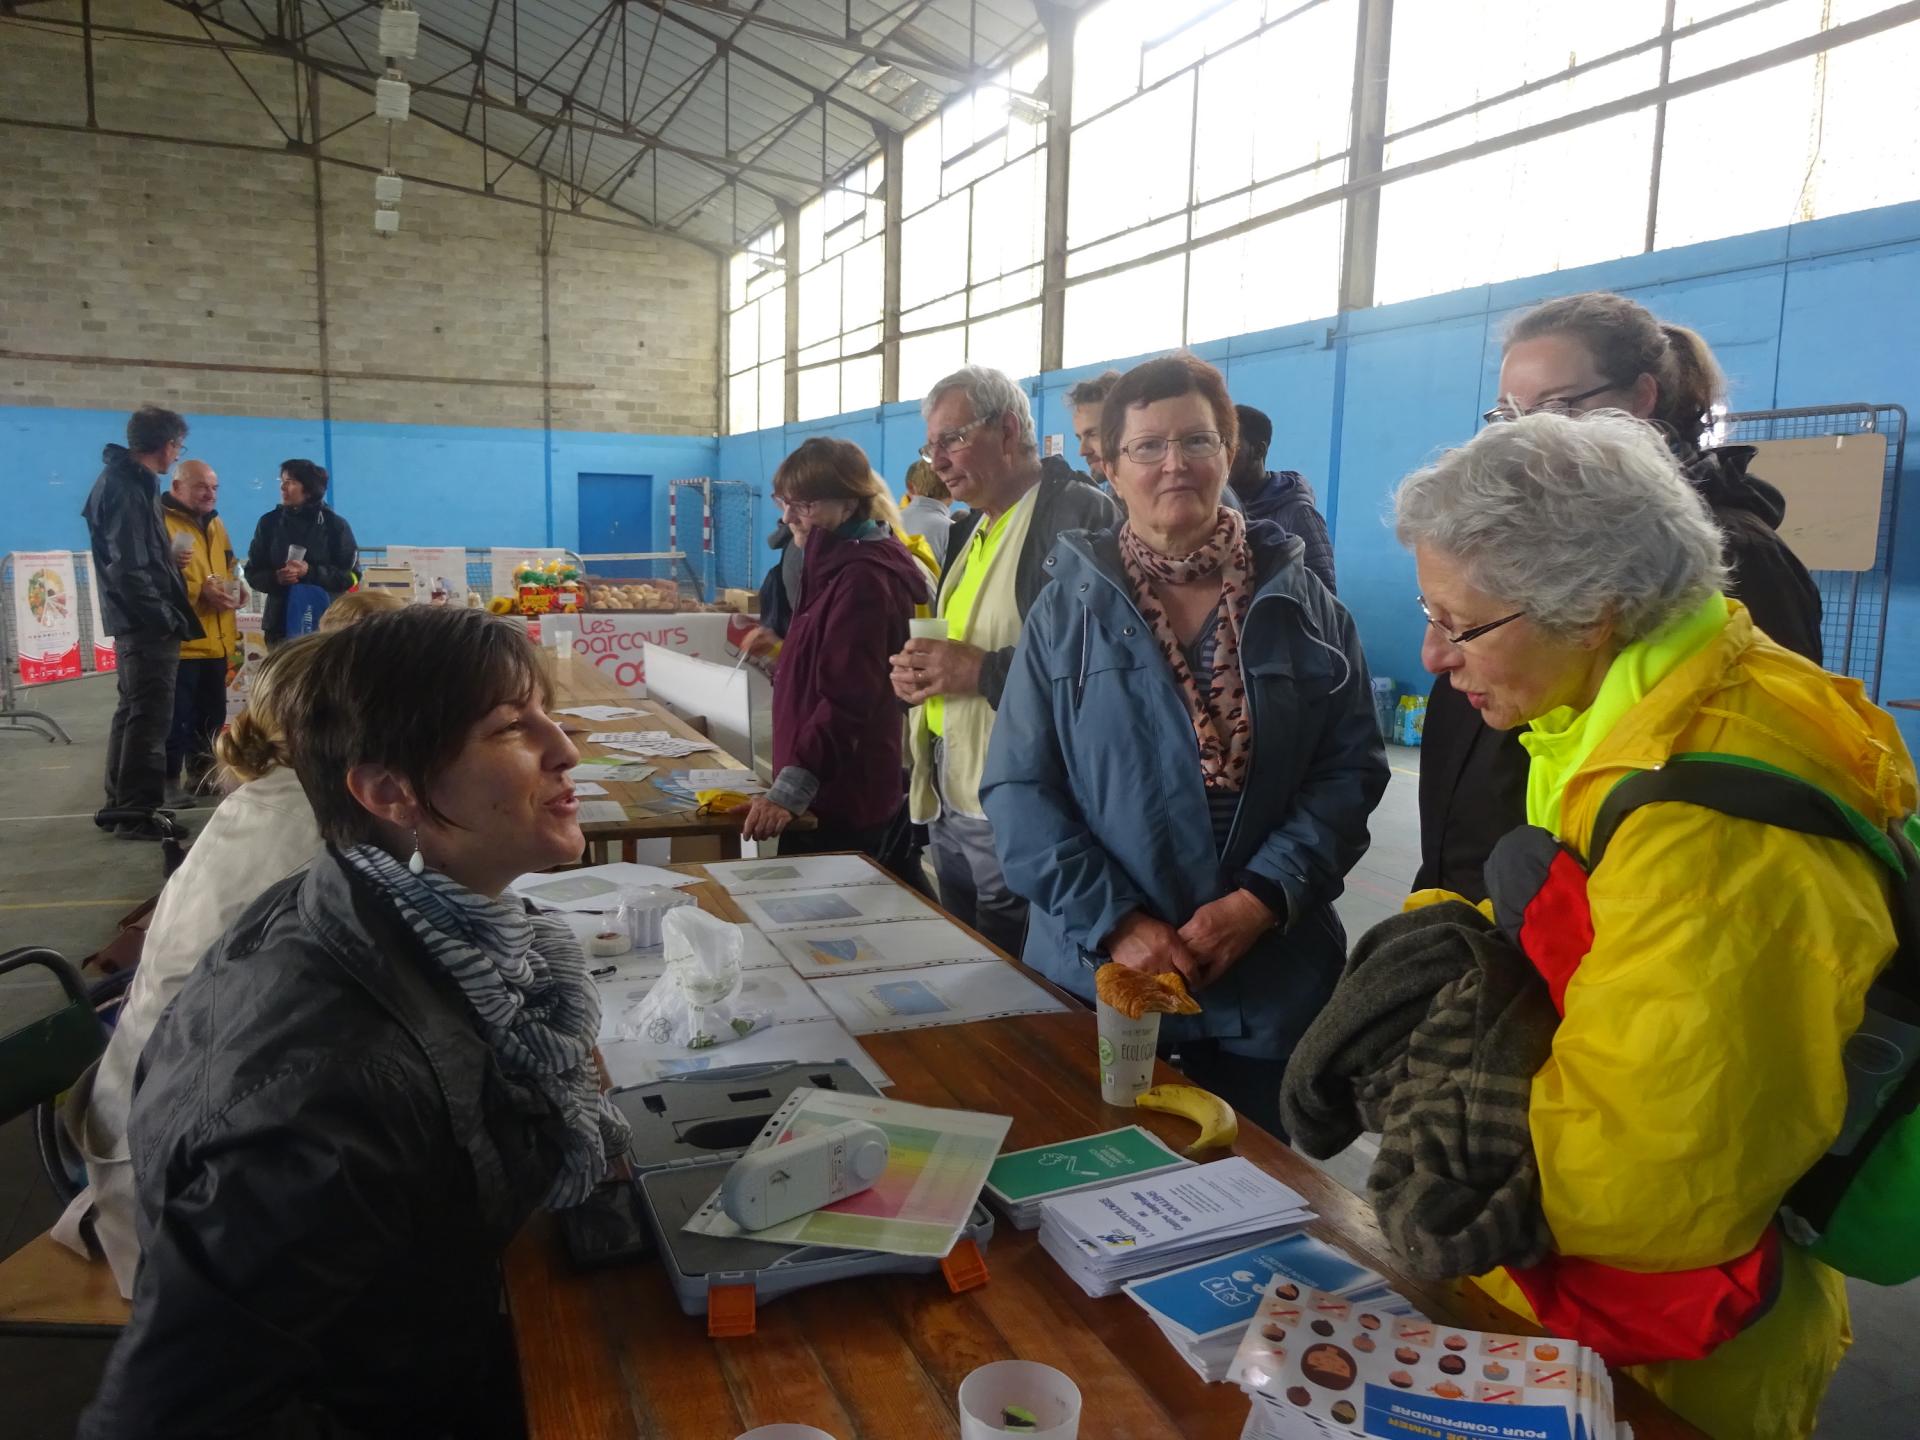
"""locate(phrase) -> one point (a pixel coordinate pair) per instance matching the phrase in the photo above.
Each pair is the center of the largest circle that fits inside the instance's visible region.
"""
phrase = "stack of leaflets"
(1021, 1179)
(1204, 1309)
(1319, 1365)
(1104, 1238)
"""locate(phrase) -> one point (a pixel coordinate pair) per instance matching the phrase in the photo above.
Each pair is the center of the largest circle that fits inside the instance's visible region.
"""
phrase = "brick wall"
(140, 248)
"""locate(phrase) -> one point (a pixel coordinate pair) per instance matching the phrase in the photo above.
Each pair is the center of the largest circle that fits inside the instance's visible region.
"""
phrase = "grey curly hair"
(990, 392)
(1576, 520)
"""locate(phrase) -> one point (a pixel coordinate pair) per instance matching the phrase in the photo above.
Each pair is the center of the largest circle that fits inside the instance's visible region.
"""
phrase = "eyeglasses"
(952, 440)
(1152, 449)
(1559, 405)
(802, 507)
(1465, 635)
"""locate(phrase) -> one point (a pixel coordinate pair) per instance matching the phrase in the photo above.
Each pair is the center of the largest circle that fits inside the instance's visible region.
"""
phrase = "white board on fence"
(106, 659)
(46, 615)
(1833, 485)
(438, 572)
(506, 561)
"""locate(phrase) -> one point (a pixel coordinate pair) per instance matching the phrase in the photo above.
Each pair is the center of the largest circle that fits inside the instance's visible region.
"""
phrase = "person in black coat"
(376, 1075)
(144, 607)
(1282, 496)
(332, 555)
(1593, 352)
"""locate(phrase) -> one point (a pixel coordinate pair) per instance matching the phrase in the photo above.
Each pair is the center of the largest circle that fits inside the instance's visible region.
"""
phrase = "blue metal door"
(616, 514)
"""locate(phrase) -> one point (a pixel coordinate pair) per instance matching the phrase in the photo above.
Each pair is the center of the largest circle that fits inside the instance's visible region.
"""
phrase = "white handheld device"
(782, 1181)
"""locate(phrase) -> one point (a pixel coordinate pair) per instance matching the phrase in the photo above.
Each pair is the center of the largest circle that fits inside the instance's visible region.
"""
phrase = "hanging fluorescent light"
(1028, 109)
(392, 97)
(386, 189)
(386, 222)
(399, 31)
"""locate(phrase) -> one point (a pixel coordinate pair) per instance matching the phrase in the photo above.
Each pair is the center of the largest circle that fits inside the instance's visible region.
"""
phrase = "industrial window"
(757, 334)
(841, 240)
(1191, 126)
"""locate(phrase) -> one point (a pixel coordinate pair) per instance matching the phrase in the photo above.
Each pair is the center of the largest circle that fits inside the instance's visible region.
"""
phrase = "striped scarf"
(1220, 722)
(527, 982)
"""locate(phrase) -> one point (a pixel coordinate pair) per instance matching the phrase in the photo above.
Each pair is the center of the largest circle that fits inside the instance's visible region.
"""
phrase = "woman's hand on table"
(1150, 946)
(1221, 931)
(764, 819)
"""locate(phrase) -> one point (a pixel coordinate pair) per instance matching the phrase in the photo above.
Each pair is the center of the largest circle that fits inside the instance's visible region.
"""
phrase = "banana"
(1219, 1126)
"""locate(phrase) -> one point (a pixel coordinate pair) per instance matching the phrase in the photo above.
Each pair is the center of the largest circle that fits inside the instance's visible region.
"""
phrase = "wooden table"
(651, 813)
(608, 1353)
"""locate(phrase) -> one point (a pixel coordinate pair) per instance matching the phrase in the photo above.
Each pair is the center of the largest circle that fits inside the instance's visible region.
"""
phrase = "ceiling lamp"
(399, 31)
(386, 222)
(386, 189)
(392, 97)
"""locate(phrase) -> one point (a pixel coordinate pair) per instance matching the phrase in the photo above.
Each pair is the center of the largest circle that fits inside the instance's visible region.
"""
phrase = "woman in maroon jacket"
(837, 727)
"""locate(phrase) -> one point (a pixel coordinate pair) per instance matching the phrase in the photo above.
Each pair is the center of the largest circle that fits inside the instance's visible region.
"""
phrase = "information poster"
(105, 661)
(439, 572)
(505, 562)
(617, 643)
(46, 618)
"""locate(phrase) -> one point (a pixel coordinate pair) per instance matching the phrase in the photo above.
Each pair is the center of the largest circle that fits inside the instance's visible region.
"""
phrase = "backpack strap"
(1747, 790)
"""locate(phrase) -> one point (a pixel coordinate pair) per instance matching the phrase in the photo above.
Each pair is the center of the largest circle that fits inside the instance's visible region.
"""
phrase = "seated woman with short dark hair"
(379, 1072)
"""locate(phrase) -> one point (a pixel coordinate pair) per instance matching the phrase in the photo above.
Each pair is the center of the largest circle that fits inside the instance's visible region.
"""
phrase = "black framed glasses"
(1152, 449)
(952, 440)
(1559, 405)
(1470, 634)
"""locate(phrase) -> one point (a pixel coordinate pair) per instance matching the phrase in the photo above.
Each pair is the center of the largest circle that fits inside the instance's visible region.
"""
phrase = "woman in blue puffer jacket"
(1186, 753)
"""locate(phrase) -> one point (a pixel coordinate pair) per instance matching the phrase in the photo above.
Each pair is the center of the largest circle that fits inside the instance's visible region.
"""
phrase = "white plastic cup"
(1051, 1398)
(563, 643)
(182, 545)
(930, 629)
(786, 1432)
(1127, 1051)
(296, 552)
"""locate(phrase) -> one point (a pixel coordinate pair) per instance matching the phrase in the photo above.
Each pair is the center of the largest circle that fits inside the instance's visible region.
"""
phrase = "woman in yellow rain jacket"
(1714, 968)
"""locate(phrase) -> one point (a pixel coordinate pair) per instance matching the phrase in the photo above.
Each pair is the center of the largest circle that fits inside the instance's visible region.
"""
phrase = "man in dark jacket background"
(1282, 496)
(144, 606)
(331, 553)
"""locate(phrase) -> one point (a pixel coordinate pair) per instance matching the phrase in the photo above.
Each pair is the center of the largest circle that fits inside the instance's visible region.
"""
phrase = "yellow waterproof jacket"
(212, 555)
(1696, 1074)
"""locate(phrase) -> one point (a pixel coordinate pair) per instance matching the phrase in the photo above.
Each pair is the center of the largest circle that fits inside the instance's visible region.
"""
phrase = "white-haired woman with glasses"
(1186, 753)
(1708, 970)
(1569, 356)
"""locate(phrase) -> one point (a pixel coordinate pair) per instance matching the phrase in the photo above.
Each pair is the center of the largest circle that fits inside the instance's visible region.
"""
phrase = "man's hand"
(1150, 946)
(291, 573)
(183, 558)
(764, 819)
(926, 668)
(1220, 932)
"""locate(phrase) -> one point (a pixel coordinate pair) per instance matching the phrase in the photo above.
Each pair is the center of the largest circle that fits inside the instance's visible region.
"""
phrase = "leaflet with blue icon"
(1223, 1293)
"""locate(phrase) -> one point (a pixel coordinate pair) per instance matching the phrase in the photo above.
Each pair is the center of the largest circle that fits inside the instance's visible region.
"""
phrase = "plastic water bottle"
(1383, 713)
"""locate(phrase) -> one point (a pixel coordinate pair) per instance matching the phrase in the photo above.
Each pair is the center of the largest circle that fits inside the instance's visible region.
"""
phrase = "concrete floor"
(67, 885)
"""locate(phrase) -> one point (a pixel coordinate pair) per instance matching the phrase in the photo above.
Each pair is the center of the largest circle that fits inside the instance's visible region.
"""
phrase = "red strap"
(1634, 1317)
(1556, 931)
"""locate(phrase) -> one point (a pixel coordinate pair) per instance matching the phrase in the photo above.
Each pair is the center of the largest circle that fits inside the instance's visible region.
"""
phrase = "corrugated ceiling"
(696, 116)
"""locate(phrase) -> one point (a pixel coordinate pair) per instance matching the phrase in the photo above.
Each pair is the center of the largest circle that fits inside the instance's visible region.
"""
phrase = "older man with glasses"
(981, 443)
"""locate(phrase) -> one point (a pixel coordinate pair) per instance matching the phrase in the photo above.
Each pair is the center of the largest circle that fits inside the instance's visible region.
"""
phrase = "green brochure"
(1026, 1176)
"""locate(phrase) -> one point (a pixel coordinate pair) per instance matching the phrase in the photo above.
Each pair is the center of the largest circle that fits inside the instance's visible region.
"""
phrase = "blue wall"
(396, 484)
(1813, 314)
(1808, 315)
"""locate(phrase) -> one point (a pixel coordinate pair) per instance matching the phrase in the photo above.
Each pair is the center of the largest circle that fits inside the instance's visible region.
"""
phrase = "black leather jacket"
(329, 1164)
(141, 592)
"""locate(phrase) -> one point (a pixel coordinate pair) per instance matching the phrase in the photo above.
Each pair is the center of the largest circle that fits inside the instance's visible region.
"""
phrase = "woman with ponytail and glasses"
(368, 1084)
(1185, 754)
(1572, 356)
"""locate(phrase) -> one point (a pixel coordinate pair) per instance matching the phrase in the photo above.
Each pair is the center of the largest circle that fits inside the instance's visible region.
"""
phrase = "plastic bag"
(696, 1003)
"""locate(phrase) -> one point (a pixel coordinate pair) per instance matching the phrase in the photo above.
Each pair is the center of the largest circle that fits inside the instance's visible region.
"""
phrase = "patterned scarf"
(527, 982)
(1219, 717)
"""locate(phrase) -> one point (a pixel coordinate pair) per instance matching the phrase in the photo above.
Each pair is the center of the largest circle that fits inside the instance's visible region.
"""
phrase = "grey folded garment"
(1456, 1188)
(1433, 1037)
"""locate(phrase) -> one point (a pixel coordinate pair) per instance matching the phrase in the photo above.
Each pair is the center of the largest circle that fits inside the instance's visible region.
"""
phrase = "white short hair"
(990, 392)
(1576, 520)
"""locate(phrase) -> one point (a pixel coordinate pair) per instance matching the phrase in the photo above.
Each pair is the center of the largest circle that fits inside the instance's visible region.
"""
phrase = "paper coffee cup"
(930, 629)
(1127, 1051)
(296, 552)
(1042, 1391)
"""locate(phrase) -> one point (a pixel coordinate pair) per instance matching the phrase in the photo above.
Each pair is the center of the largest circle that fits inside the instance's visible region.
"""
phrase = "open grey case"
(687, 1132)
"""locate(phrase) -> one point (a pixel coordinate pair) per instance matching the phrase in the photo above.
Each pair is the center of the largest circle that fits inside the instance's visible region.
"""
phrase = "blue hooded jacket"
(1093, 784)
(1287, 499)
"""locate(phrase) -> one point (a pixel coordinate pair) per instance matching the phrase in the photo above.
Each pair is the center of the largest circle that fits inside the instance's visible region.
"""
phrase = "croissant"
(1134, 994)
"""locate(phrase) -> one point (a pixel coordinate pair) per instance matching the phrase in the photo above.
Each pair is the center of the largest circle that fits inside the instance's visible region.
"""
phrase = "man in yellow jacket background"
(205, 556)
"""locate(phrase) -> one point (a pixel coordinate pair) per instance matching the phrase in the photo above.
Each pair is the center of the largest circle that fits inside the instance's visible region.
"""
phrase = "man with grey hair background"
(981, 443)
